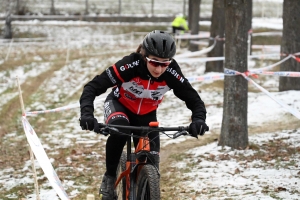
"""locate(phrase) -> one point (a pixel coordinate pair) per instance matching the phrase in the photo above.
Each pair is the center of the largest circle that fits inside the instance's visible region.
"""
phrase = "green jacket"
(180, 22)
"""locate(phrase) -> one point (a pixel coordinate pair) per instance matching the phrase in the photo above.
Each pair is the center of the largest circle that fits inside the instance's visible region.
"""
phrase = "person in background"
(139, 82)
(180, 24)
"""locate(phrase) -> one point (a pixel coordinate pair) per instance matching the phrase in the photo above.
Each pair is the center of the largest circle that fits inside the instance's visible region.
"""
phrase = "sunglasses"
(156, 63)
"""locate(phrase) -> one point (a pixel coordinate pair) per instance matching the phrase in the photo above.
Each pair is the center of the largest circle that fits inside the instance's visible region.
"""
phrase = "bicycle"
(138, 178)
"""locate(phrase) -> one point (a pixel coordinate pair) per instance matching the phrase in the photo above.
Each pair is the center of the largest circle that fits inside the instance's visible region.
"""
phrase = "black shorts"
(174, 29)
(116, 113)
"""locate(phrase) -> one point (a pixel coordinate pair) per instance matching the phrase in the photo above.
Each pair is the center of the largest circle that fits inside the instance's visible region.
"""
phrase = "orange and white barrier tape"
(215, 77)
(230, 72)
(193, 79)
(43, 159)
(60, 109)
(193, 60)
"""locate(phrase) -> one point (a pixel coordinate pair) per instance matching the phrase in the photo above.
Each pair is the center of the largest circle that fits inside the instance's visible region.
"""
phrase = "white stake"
(90, 197)
(30, 150)
(68, 51)
(8, 52)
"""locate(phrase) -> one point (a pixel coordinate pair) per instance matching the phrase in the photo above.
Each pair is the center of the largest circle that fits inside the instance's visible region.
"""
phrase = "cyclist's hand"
(198, 127)
(88, 122)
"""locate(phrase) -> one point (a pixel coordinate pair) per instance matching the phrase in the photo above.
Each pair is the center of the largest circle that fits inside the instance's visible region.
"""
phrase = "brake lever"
(104, 131)
(108, 130)
(176, 135)
(112, 130)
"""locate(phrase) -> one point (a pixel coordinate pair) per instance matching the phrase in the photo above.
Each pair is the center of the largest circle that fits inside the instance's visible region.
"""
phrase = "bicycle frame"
(133, 166)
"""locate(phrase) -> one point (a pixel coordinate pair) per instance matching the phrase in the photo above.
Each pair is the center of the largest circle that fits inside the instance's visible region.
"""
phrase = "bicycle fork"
(133, 166)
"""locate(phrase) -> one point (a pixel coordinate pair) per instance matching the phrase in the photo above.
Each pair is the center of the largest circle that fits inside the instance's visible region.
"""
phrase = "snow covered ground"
(266, 170)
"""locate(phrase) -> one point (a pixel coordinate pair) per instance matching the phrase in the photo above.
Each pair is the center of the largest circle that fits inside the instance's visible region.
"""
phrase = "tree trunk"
(7, 28)
(217, 28)
(290, 44)
(234, 130)
(194, 17)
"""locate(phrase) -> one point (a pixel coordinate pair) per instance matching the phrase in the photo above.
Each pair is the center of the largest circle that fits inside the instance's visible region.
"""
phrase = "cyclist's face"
(154, 67)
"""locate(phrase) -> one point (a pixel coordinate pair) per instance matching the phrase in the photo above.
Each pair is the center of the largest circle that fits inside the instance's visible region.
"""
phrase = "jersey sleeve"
(121, 71)
(184, 91)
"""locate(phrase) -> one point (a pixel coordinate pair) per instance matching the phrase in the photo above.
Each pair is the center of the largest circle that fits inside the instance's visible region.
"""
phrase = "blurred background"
(166, 8)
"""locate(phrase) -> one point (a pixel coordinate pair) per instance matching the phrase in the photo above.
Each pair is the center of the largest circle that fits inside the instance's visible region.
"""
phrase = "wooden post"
(52, 9)
(90, 197)
(30, 150)
(152, 8)
(9, 48)
(86, 7)
(68, 50)
(120, 7)
(184, 8)
(132, 39)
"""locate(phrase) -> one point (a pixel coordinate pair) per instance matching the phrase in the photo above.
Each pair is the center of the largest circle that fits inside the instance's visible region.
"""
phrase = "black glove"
(87, 119)
(88, 122)
(198, 127)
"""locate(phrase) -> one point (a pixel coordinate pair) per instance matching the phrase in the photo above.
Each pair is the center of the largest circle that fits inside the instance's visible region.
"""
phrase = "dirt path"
(171, 154)
(171, 176)
(177, 148)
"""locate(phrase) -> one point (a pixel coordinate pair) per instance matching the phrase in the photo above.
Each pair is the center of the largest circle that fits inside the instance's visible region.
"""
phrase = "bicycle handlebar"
(102, 129)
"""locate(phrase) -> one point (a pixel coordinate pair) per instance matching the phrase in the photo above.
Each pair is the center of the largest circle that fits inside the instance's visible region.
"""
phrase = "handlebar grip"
(101, 125)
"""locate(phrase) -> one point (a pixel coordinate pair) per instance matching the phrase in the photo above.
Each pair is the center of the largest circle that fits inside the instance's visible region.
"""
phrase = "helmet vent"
(153, 42)
(164, 45)
(172, 46)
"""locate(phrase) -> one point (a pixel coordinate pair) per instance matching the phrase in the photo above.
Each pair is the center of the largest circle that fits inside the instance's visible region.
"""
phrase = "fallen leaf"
(237, 171)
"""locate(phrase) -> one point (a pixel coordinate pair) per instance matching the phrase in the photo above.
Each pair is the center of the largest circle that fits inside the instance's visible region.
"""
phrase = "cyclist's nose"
(158, 69)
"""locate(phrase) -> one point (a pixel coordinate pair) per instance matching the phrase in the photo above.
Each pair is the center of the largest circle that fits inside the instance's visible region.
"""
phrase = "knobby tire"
(148, 183)
(121, 188)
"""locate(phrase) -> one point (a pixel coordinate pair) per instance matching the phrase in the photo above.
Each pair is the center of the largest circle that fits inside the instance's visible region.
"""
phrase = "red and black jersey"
(138, 91)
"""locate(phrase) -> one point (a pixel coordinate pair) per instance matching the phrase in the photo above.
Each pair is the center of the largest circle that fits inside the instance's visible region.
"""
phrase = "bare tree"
(234, 130)
(7, 33)
(194, 17)
(7, 29)
(217, 28)
(290, 43)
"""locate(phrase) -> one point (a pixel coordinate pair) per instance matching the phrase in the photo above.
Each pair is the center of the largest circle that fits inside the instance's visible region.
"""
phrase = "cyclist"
(139, 81)
(179, 24)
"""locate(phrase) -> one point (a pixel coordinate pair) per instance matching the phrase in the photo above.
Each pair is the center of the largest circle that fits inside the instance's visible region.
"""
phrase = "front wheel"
(148, 183)
(121, 188)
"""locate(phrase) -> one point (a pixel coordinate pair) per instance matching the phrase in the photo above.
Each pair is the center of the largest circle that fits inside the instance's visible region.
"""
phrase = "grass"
(85, 168)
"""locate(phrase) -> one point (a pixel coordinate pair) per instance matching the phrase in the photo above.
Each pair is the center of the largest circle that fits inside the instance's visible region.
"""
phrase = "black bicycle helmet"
(160, 44)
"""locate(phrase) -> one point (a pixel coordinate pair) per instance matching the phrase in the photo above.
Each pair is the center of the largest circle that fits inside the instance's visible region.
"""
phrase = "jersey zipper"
(143, 98)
